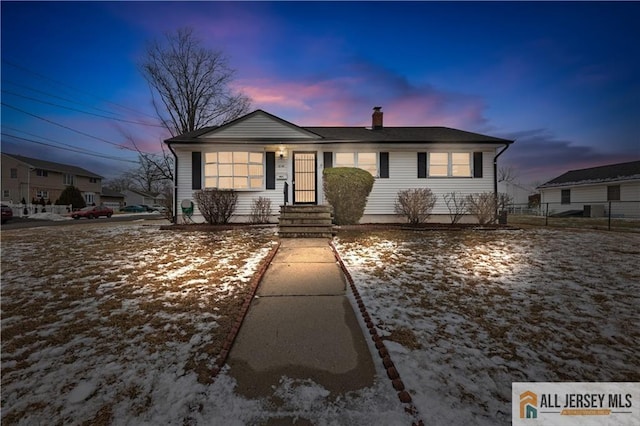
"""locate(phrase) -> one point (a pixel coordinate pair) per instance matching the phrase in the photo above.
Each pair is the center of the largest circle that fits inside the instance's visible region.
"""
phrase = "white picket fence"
(21, 210)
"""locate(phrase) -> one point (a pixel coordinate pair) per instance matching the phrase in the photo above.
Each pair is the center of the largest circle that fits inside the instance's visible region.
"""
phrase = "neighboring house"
(591, 190)
(259, 153)
(518, 194)
(135, 197)
(111, 198)
(33, 179)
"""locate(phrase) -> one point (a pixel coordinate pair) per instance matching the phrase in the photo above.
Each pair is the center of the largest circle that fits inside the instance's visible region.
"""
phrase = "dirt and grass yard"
(123, 323)
(467, 313)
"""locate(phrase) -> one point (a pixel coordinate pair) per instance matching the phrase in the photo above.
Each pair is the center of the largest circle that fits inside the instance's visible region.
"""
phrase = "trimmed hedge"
(347, 189)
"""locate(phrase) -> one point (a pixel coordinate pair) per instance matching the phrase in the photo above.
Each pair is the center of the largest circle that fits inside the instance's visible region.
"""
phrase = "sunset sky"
(559, 78)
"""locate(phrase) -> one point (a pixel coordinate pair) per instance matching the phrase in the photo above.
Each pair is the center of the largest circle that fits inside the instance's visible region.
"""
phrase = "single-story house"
(34, 179)
(594, 189)
(261, 155)
(135, 197)
(111, 198)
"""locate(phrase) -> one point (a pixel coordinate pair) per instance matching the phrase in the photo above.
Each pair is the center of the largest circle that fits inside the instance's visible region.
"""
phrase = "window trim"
(42, 173)
(42, 193)
(68, 177)
(565, 196)
(13, 173)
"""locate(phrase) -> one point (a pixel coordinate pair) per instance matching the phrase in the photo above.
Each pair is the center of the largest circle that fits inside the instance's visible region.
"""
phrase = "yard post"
(609, 225)
(546, 216)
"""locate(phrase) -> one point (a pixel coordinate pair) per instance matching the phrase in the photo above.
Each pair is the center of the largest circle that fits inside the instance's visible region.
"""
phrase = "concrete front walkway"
(302, 326)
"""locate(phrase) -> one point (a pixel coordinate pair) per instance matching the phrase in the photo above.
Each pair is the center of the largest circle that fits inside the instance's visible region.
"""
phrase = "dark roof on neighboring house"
(54, 167)
(601, 174)
(106, 192)
(362, 134)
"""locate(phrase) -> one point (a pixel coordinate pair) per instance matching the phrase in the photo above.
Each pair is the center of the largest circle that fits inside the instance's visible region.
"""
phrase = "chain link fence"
(609, 215)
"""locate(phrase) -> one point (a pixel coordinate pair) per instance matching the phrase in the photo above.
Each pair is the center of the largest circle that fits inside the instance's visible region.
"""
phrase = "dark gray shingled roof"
(608, 173)
(363, 134)
(54, 167)
(403, 134)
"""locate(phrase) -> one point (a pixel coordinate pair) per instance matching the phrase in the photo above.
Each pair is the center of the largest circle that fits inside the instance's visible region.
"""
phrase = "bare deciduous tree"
(482, 206)
(415, 204)
(507, 174)
(193, 83)
(216, 205)
(457, 205)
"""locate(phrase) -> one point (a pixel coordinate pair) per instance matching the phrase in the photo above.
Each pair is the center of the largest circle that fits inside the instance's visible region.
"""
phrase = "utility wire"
(81, 111)
(69, 128)
(44, 77)
(51, 95)
(44, 138)
(109, 157)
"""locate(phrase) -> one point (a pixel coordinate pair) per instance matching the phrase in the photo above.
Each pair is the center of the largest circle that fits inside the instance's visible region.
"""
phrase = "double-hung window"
(234, 170)
(68, 179)
(449, 164)
(363, 160)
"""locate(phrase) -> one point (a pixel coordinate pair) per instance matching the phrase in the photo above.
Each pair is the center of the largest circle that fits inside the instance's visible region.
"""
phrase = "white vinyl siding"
(595, 194)
(403, 175)
(259, 126)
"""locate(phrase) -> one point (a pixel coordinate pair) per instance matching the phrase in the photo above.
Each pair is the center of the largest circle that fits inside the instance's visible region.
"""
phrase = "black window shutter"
(196, 170)
(477, 164)
(422, 165)
(271, 170)
(328, 160)
(384, 165)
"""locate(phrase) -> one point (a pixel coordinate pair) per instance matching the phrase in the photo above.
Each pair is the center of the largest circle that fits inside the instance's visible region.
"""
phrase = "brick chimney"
(376, 118)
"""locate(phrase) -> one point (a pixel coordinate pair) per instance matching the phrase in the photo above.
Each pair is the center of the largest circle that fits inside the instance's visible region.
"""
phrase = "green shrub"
(71, 195)
(347, 189)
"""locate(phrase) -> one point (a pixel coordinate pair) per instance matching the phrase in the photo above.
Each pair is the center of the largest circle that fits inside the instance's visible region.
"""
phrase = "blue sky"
(560, 78)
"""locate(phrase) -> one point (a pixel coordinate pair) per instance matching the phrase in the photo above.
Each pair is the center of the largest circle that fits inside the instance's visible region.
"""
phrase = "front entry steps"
(306, 221)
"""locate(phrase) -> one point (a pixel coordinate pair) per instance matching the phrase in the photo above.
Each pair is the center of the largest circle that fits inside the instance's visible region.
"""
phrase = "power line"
(81, 111)
(69, 149)
(69, 128)
(45, 138)
(44, 77)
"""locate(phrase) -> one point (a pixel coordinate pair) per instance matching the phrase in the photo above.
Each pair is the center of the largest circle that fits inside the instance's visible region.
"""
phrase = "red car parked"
(92, 211)
(7, 213)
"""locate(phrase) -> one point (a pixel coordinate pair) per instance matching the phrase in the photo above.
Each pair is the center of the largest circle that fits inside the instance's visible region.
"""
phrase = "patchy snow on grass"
(118, 323)
(467, 313)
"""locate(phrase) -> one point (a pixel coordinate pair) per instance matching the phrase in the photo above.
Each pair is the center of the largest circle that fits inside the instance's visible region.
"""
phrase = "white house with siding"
(594, 190)
(259, 155)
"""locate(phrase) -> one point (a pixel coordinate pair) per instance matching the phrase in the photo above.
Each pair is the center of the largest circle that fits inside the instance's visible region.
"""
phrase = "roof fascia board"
(594, 182)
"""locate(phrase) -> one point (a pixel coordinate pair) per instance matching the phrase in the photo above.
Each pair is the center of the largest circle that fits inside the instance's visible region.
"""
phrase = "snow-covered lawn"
(118, 323)
(122, 323)
(466, 313)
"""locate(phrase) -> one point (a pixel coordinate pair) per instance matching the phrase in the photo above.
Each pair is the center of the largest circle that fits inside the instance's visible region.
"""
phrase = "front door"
(304, 178)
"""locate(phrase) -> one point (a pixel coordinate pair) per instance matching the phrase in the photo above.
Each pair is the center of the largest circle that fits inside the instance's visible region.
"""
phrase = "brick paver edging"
(388, 364)
(235, 329)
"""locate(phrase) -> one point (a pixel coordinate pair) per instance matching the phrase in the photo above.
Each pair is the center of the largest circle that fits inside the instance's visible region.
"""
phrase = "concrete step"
(296, 215)
(304, 221)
